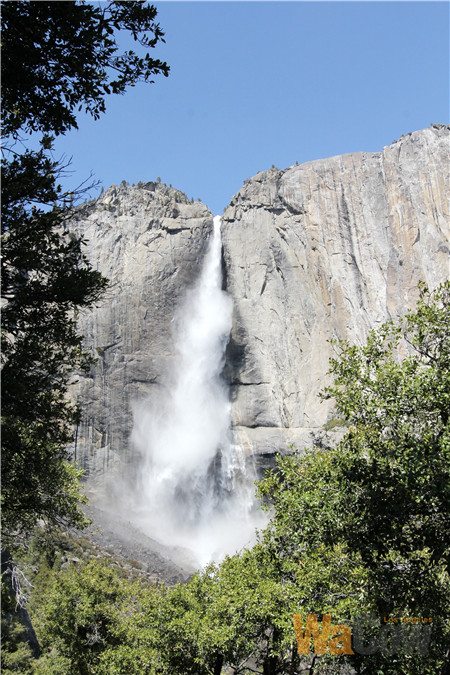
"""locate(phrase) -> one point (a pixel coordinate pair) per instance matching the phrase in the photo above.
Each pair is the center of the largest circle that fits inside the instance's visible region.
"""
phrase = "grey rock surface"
(117, 535)
(327, 249)
(149, 241)
(321, 250)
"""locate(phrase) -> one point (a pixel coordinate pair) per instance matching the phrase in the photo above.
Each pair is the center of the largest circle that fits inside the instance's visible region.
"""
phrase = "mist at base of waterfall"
(227, 529)
(195, 488)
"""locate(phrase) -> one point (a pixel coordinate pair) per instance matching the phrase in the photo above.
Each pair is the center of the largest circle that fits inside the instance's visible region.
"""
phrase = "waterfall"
(197, 490)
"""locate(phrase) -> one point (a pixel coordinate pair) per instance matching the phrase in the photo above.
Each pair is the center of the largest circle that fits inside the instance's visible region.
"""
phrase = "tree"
(16, 655)
(359, 532)
(82, 613)
(57, 58)
(91, 618)
(46, 278)
(380, 499)
(60, 57)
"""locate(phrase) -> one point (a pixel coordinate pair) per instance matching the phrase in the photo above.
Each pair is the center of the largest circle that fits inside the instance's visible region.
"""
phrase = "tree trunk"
(271, 663)
(7, 567)
(218, 665)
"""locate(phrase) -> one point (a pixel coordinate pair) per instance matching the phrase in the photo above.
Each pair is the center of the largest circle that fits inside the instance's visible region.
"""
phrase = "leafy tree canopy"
(380, 499)
(62, 57)
(360, 532)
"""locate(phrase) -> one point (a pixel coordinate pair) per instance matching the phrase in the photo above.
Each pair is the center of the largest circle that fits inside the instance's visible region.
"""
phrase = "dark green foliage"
(45, 280)
(381, 498)
(92, 618)
(57, 58)
(16, 655)
(61, 57)
(358, 531)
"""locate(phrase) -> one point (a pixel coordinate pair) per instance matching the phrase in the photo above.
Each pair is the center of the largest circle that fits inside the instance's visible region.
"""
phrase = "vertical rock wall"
(322, 250)
(149, 241)
(325, 249)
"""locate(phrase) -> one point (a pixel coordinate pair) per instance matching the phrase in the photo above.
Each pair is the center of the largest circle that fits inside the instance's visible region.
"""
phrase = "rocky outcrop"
(321, 250)
(149, 241)
(324, 250)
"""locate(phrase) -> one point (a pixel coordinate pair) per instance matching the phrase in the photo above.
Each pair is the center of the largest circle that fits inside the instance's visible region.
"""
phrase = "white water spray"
(196, 490)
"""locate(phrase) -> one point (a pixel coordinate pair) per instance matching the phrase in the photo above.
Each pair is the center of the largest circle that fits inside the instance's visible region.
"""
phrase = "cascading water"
(196, 489)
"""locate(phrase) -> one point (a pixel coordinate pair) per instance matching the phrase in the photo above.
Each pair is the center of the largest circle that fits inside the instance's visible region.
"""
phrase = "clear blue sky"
(259, 83)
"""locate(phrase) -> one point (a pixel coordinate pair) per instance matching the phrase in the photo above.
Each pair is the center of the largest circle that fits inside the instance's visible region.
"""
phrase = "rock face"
(149, 241)
(326, 249)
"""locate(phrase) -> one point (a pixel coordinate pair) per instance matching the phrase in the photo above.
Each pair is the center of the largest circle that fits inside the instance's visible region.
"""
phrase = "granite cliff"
(322, 250)
(149, 241)
(325, 249)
